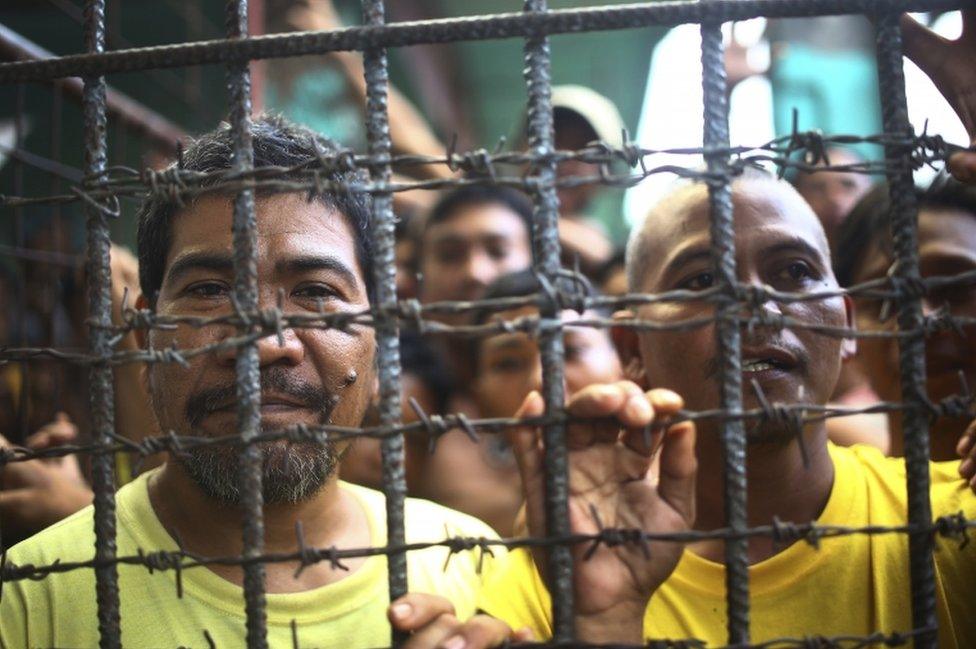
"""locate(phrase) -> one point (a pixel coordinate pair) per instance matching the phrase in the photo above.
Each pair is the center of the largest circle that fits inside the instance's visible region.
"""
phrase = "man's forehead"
(477, 221)
(762, 204)
(288, 225)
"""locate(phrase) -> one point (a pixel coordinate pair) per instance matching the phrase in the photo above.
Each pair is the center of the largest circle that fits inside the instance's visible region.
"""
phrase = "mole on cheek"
(351, 377)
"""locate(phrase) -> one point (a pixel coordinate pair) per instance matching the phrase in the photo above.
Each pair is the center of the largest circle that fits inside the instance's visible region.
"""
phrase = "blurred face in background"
(833, 194)
(465, 252)
(509, 365)
(947, 246)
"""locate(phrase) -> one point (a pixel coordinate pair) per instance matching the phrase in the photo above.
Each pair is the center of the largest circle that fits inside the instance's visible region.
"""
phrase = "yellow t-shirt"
(60, 611)
(852, 585)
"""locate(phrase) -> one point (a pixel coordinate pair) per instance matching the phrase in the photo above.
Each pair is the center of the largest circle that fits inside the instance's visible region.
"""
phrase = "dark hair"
(450, 203)
(526, 282)
(567, 121)
(870, 220)
(796, 176)
(277, 142)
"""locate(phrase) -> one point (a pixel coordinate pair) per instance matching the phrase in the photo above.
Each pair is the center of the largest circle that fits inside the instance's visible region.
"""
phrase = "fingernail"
(454, 642)
(402, 610)
(638, 408)
(672, 398)
(966, 468)
(963, 445)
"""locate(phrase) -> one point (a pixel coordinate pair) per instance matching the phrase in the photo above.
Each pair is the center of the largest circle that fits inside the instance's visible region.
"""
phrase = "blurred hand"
(39, 493)
(609, 473)
(967, 451)
(431, 622)
(950, 65)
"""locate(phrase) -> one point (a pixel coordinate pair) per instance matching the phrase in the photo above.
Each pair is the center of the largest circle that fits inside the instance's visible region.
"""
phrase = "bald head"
(676, 230)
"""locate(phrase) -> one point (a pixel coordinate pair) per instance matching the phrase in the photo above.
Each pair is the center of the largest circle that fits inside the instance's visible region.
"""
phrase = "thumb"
(678, 470)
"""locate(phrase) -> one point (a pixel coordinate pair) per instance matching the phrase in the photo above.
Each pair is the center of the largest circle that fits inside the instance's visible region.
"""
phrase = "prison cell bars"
(545, 247)
(100, 319)
(710, 15)
(384, 277)
(247, 361)
(904, 226)
(716, 135)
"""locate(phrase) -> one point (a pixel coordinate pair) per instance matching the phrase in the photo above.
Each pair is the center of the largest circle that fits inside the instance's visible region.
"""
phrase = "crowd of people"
(823, 230)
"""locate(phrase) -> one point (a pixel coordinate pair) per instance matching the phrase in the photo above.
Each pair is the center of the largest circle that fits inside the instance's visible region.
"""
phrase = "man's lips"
(268, 403)
(768, 359)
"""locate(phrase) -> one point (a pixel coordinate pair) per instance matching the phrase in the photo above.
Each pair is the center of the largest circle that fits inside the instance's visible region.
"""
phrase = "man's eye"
(498, 252)
(208, 289)
(798, 271)
(699, 282)
(507, 364)
(450, 256)
(315, 292)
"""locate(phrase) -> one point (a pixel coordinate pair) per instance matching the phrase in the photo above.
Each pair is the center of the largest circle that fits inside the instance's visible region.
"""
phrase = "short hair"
(870, 220)
(481, 194)
(277, 142)
(526, 282)
(635, 262)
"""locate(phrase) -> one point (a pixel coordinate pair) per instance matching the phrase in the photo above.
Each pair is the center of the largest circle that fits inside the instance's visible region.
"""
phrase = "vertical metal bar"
(387, 338)
(545, 244)
(100, 314)
(57, 224)
(904, 225)
(716, 135)
(23, 369)
(247, 362)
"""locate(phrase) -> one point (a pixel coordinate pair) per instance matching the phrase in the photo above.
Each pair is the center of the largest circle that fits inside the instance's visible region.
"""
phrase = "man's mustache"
(276, 381)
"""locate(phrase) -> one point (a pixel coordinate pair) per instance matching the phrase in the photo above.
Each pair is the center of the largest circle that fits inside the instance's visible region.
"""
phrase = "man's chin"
(291, 472)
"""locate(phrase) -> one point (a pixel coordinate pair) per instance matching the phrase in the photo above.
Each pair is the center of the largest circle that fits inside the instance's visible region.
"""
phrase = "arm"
(610, 472)
(950, 66)
(38, 493)
(409, 131)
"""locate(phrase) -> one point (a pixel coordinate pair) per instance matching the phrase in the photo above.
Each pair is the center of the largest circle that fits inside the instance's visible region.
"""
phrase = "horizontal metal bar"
(498, 26)
(159, 129)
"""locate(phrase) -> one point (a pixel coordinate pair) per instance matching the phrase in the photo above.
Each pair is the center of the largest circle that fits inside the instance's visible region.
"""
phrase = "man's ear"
(849, 346)
(140, 333)
(627, 342)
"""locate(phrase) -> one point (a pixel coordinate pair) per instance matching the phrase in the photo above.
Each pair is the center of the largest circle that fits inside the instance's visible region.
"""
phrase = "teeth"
(756, 366)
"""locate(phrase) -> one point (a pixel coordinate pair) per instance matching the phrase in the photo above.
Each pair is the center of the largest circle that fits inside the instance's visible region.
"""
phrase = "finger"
(16, 502)
(962, 166)
(924, 47)
(433, 635)
(523, 635)
(528, 457)
(664, 404)
(966, 440)
(525, 439)
(57, 433)
(966, 449)
(602, 399)
(676, 484)
(480, 632)
(414, 611)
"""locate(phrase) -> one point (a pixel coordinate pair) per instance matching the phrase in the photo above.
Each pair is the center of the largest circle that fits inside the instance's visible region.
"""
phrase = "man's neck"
(779, 486)
(202, 525)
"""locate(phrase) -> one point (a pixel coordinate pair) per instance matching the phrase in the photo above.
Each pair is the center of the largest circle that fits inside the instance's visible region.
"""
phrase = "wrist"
(623, 624)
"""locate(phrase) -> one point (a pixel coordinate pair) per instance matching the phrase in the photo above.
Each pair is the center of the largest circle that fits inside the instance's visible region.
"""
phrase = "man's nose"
(288, 350)
(479, 269)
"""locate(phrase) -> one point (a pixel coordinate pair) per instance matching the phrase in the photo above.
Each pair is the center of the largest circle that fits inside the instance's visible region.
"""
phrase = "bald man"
(852, 585)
